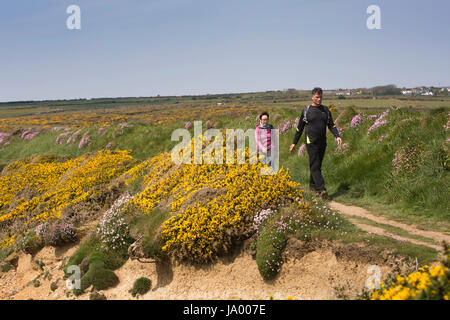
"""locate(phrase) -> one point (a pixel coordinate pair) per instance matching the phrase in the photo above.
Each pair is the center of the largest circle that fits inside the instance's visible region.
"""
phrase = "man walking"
(316, 117)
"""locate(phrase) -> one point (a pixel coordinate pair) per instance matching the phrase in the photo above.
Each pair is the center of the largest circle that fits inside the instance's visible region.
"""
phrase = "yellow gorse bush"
(429, 282)
(50, 185)
(200, 229)
(113, 116)
(199, 224)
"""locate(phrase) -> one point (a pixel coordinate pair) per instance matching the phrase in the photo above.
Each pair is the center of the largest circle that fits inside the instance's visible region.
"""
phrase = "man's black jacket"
(319, 117)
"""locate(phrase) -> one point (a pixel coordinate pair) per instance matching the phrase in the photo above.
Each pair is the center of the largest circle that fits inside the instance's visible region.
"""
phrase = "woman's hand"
(339, 141)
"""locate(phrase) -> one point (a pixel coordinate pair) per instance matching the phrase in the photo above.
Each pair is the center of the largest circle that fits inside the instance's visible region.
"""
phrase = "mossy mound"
(141, 286)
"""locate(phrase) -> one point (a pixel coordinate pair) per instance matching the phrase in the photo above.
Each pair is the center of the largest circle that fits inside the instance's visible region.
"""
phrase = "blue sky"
(183, 47)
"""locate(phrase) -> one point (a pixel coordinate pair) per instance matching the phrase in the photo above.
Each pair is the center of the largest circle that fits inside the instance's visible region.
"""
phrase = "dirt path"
(353, 211)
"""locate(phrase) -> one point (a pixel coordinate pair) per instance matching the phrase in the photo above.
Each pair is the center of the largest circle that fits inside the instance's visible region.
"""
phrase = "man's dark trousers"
(316, 153)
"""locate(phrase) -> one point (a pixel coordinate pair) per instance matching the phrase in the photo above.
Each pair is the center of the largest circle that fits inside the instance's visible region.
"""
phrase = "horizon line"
(204, 94)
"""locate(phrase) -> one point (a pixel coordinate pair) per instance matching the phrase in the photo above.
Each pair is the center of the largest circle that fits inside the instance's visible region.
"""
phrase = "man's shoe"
(324, 194)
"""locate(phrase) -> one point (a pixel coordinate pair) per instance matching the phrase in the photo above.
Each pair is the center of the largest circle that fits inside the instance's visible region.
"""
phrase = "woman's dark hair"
(317, 90)
(263, 114)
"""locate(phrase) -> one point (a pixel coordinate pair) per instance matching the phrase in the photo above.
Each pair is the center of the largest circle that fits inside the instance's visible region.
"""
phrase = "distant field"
(163, 108)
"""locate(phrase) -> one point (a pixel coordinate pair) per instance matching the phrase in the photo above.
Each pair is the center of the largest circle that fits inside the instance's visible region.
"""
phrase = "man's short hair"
(263, 114)
(317, 90)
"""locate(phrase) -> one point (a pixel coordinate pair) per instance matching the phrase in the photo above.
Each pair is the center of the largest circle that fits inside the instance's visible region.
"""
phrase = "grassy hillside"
(58, 175)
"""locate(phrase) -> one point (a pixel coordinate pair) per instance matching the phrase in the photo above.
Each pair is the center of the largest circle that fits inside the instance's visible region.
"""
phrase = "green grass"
(97, 275)
(149, 226)
(395, 230)
(269, 247)
(5, 267)
(101, 263)
(364, 174)
(321, 224)
(345, 232)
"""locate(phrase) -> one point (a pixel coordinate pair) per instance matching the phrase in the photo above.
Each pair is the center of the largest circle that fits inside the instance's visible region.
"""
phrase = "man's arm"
(299, 129)
(332, 126)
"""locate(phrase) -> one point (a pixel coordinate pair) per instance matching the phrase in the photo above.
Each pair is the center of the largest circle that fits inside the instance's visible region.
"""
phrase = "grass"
(397, 212)
(97, 275)
(320, 224)
(363, 176)
(395, 230)
(100, 264)
(149, 226)
(5, 267)
(269, 247)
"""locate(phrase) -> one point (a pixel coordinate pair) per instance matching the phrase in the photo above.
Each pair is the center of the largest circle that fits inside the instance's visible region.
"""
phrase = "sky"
(137, 48)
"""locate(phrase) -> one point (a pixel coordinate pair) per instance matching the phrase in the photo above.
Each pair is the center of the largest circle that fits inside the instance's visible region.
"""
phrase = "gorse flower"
(428, 283)
(53, 184)
(201, 229)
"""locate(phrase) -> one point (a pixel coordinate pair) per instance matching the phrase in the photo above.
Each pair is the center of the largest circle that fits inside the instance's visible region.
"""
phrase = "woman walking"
(264, 138)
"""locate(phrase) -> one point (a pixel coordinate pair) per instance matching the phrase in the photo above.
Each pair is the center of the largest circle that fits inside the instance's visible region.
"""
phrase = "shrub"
(30, 243)
(97, 296)
(260, 217)
(6, 267)
(356, 121)
(113, 230)
(141, 286)
(97, 276)
(428, 283)
(56, 234)
(150, 226)
(270, 244)
(54, 285)
(407, 159)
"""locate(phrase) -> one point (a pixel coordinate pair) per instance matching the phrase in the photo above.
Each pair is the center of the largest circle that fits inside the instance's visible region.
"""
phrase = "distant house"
(343, 93)
(407, 92)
